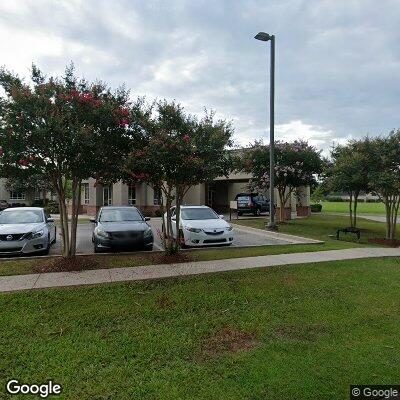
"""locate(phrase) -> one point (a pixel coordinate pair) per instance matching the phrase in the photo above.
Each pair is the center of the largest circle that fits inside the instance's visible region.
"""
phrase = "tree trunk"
(397, 206)
(76, 199)
(387, 212)
(168, 232)
(351, 208)
(282, 205)
(392, 204)
(180, 193)
(354, 223)
(64, 224)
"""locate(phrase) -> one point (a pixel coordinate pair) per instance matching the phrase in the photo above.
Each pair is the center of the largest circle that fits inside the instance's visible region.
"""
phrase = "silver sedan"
(25, 230)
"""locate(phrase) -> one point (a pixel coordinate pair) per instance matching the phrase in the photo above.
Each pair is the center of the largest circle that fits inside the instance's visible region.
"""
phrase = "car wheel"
(148, 248)
(240, 213)
(46, 251)
(96, 248)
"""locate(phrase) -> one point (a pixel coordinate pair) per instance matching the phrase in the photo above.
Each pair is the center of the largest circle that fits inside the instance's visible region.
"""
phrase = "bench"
(349, 230)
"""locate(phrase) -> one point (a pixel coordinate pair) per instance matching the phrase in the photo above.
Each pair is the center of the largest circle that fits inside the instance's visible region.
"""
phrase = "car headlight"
(148, 233)
(229, 228)
(101, 233)
(195, 230)
(37, 234)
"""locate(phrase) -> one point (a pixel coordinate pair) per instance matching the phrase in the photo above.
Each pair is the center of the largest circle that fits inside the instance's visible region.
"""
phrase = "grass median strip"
(289, 332)
(362, 207)
(322, 227)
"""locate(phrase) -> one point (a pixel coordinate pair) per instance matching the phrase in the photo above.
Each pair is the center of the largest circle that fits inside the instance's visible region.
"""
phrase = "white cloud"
(336, 63)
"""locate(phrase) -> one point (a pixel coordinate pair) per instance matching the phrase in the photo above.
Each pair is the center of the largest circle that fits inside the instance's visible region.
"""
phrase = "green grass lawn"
(302, 332)
(320, 226)
(316, 227)
(362, 208)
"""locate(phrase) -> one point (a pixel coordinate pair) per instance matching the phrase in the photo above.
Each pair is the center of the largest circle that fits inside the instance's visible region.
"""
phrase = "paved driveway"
(243, 237)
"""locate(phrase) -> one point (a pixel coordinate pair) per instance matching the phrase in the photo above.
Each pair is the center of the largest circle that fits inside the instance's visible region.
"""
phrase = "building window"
(37, 195)
(107, 196)
(157, 197)
(131, 195)
(17, 195)
(85, 189)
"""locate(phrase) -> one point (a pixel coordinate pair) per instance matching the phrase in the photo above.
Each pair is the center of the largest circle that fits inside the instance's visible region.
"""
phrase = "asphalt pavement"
(243, 237)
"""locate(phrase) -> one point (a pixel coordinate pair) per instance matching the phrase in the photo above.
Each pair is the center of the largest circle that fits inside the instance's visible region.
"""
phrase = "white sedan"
(201, 226)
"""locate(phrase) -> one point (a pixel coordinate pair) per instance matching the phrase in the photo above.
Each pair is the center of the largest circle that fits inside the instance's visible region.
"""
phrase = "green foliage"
(296, 164)
(63, 130)
(349, 172)
(316, 207)
(318, 194)
(177, 151)
(384, 176)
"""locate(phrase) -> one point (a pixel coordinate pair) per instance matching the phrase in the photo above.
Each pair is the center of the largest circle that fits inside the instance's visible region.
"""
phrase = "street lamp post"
(265, 37)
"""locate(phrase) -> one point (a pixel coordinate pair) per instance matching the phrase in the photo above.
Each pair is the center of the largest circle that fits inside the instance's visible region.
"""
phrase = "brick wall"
(303, 211)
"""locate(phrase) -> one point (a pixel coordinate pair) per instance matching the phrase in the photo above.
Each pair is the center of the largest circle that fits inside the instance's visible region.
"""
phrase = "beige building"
(20, 198)
(217, 195)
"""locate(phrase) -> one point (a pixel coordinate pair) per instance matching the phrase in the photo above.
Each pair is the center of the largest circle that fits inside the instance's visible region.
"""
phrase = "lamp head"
(263, 36)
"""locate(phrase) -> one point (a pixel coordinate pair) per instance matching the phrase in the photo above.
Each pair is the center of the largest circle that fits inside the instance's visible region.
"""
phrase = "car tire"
(46, 251)
(96, 248)
(148, 248)
(239, 213)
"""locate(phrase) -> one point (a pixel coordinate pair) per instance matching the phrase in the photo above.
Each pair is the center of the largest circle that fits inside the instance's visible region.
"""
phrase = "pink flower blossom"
(186, 138)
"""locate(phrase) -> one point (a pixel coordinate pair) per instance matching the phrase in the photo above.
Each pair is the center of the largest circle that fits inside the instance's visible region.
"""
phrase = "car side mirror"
(173, 218)
(222, 216)
(50, 219)
(147, 218)
(93, 221)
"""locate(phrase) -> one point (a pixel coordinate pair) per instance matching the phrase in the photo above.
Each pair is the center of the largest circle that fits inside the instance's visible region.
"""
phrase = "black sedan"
(122, 228)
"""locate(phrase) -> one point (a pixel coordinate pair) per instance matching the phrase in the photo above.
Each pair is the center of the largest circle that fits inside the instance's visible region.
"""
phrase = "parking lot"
(243, 237)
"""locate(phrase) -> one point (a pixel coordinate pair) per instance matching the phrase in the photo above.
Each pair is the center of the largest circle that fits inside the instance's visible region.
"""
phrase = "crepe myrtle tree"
(63, 129)
(296, 164)
(384, 175)
(348, 171)
(176, 152)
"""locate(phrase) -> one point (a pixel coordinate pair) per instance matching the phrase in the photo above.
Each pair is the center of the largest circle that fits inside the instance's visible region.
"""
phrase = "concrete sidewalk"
(62, 279)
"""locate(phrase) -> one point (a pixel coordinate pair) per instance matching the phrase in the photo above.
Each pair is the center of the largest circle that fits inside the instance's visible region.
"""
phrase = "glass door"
(107, 196)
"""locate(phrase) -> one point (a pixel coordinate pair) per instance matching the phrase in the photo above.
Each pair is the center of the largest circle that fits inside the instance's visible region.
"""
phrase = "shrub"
(316, 207)
(335, 199)
(158, 212)
(52, 207)
(38, 203)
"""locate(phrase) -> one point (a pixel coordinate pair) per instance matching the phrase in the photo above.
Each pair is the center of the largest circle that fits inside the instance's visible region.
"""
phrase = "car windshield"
(21, 217)
(126, 214)
(243, 198)
(198, 213)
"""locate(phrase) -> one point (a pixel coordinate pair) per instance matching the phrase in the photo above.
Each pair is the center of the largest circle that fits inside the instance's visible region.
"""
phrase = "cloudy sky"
(337, 61)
